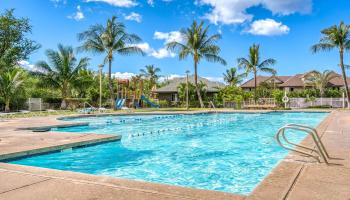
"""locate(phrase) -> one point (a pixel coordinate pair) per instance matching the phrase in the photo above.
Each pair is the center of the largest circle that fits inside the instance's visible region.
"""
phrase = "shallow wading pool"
(229, 152)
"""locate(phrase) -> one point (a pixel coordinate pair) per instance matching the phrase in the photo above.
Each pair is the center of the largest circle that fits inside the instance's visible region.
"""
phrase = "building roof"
(261, 79)
(290, 81)
(211, 86)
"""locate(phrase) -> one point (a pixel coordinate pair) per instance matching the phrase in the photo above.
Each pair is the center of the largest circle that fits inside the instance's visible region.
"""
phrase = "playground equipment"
(119, 103)
(153, 105)
(130, 94)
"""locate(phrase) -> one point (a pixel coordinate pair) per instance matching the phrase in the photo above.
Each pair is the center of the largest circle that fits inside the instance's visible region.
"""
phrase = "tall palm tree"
(198, 44)
(232, 77)
(10, 83)
(151, 73)
(336, 37)
(252, 64)
(62, 70)
(109, 40)
(319, 80)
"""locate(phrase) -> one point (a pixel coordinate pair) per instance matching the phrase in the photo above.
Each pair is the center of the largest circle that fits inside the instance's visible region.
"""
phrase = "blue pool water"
(224, 152)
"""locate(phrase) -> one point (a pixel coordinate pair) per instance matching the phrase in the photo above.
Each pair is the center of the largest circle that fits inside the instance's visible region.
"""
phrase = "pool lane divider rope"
(188, 127)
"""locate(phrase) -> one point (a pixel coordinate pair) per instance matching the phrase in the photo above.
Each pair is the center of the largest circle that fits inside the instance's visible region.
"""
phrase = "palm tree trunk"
(341, 53)
(255, 83)
(196, 84)
(64, 96)
(7, 105)
(110, 84)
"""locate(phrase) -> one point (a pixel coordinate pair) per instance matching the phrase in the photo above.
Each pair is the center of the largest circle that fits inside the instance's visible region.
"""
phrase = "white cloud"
(228, 11)
(267, 27)
(145, 47)
(173, 36)
(167, 37)
(287, 7)
(215, 79)
(117, 3)
(123, 75)
(170, 77)
(162, 53)
(26, 65)
(159, 54)
(134, 17)
(57, 3)
(235, 11)
(150, 2)
(79, 15)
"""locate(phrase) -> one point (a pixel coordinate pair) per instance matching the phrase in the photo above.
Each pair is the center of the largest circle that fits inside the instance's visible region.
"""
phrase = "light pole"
(187, 106)
(100, 67)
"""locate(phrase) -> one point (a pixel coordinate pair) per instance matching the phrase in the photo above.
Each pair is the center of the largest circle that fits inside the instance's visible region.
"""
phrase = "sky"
(285, 30)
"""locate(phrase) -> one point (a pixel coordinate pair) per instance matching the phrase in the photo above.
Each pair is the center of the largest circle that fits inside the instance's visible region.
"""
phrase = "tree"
(252, 64)
(232, 78)
(336, 37)
(14, 44)
(198, 44)
(62, 71)
(319, 80)
(10, 83)
(181, 89)
(109, 40)
(85, 80)
(151, 73)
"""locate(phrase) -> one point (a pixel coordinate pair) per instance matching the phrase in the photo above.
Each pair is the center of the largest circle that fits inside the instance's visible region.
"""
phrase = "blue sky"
(284, 29)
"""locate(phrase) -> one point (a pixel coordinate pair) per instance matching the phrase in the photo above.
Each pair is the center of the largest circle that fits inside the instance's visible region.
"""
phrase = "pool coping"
(56, 148)
(289, 168)
(264, 189)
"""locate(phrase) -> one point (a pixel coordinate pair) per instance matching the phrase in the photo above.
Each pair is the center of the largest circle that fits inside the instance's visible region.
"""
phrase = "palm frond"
(214, 58)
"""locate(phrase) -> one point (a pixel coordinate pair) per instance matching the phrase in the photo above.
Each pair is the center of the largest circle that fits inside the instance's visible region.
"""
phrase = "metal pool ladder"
(316, 153)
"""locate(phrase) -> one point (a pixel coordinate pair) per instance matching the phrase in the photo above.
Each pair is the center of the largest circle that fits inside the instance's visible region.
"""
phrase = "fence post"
(332, 102)
(343, 100)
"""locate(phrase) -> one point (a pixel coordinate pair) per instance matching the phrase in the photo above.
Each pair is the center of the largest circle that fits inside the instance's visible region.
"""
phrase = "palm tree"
(198, 44)
(109, 40)
(151, 73)
(10, 83)
(232, 78)
(336, 37)
(62, 71)
(252, 64)
(319, 80)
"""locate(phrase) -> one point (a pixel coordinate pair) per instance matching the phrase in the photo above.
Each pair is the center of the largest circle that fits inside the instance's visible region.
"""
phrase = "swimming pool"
(230, 152)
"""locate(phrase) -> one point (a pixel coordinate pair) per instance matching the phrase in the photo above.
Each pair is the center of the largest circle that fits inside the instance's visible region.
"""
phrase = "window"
(291, 89)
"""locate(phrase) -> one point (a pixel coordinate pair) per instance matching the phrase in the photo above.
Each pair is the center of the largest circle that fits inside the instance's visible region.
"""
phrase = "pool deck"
(295, 177)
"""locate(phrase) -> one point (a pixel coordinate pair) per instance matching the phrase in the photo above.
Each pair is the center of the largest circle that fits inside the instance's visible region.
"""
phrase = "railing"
(85, 109)
(212, 105)
(320, 149)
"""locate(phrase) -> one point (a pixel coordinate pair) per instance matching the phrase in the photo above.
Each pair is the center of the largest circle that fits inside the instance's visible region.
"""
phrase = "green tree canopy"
(151, 73)
(336, 37)
(10, 83)
(232, 77)
(319, 80)
(199, 45)
(61, 71)
(110, 39)
(253, 64)
(14, 44)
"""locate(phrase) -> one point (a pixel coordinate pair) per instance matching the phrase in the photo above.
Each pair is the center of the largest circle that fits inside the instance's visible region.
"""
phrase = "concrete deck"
(294, 178)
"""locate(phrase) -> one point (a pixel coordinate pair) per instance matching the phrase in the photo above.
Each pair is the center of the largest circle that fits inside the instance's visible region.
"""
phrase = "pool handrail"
(320, 149)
